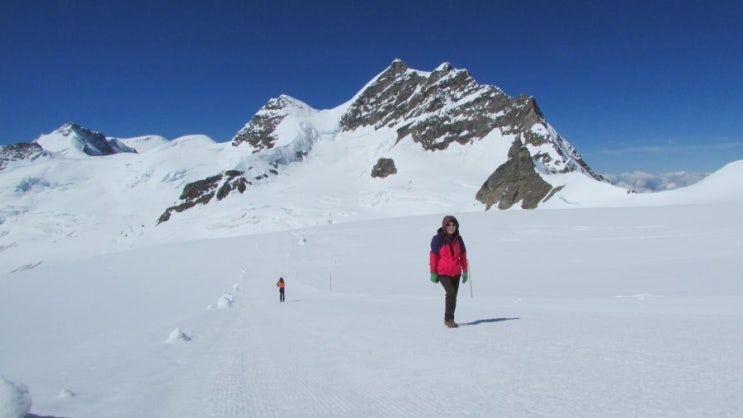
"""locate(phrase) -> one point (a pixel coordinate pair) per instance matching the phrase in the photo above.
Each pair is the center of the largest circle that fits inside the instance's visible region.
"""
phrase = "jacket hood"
(442, 230)
(447, 219)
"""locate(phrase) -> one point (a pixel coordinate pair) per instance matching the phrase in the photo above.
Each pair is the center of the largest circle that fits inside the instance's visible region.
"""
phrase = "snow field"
(593, 312)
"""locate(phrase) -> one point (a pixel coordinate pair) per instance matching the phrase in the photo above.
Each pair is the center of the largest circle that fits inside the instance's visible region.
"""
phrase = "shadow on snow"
(486, 321)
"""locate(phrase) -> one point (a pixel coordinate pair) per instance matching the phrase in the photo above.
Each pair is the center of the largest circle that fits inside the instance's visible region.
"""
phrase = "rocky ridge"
(21, 151)
(434, 110)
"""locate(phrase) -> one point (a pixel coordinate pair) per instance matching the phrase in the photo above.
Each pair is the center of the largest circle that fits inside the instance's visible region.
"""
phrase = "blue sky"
(634, 85)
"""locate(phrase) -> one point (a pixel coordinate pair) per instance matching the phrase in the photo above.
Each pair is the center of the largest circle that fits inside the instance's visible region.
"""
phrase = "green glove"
(434, 277)
(465, 277)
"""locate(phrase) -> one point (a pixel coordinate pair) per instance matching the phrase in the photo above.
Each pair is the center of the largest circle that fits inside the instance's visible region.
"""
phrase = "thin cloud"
(640, 181)
(673, 146)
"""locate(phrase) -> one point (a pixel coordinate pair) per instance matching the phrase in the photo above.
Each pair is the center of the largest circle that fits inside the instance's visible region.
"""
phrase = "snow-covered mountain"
(631, 311)
(434, 111)
(407, 140)
(72, 138)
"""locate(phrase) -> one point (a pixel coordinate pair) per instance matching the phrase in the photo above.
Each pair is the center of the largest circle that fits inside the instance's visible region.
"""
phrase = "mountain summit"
(409, 142)
(432, 110)
(72, 138)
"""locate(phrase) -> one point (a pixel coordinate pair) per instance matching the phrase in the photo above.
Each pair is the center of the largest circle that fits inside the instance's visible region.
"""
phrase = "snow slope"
(72, 206)
(632, 311)
(610, 304)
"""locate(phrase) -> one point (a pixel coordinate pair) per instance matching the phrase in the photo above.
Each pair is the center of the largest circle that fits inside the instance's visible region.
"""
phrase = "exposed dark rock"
(20, 151)
(259, 132)
(447, 106)
(432, 109)
(383, 168)
(234, 181)
(379, 103)
(201, 192)
(515, 180)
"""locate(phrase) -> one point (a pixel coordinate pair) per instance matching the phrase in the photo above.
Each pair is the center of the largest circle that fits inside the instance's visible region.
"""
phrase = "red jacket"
(448, 254)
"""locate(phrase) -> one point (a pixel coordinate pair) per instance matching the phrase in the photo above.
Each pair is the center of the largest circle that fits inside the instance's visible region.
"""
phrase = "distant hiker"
(448, 262)
(281, 286)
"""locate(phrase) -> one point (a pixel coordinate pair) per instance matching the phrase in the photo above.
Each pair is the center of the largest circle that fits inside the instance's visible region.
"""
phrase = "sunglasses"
(451, 224)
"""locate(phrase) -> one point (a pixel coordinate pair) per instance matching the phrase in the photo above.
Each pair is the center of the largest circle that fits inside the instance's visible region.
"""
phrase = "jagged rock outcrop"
(448, 105)
(259, 132)
(433, 110)
(383, 168)
(21, 151)
(203, 191)
(514, 181)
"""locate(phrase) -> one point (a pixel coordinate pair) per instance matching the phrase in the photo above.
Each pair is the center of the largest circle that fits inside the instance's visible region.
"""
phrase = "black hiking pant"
(451, 285)
(281, 295)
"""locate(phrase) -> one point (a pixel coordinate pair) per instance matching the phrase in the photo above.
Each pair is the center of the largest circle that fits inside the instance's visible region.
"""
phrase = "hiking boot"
(450, 323)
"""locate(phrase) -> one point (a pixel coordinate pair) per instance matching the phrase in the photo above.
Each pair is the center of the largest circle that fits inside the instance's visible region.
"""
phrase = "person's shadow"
(487, 321)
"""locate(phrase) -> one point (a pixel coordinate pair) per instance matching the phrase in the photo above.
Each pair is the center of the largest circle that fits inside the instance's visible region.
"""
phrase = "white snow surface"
(70, 205)
(600, 303)
(15, 401)
(618, 312)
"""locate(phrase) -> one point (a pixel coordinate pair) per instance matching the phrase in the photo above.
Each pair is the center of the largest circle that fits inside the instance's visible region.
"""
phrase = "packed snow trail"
(589, 313)
(323, 354)
(318, 361)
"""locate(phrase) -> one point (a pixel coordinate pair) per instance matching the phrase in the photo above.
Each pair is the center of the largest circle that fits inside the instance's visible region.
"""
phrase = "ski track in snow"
(339, 366)
(249, 375)
(598, 325)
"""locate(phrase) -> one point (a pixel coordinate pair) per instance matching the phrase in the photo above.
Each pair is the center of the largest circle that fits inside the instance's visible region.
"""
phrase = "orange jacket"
(280, 284)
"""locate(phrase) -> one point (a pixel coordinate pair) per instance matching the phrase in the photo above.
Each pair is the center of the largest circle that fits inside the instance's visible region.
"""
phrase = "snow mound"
(15, 400)
(225, 302)
(66, 393)
(178, 335)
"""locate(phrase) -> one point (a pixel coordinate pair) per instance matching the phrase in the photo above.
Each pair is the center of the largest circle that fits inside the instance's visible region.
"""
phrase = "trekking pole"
(469, 276)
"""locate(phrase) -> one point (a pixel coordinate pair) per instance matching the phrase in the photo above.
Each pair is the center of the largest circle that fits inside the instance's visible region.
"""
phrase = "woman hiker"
(448, 262)
(281, 286)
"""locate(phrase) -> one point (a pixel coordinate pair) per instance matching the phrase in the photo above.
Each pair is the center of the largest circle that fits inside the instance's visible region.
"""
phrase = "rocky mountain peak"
(70, 128)
(259, 132)
(433, 109)
(74, 137)
(447, 105)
